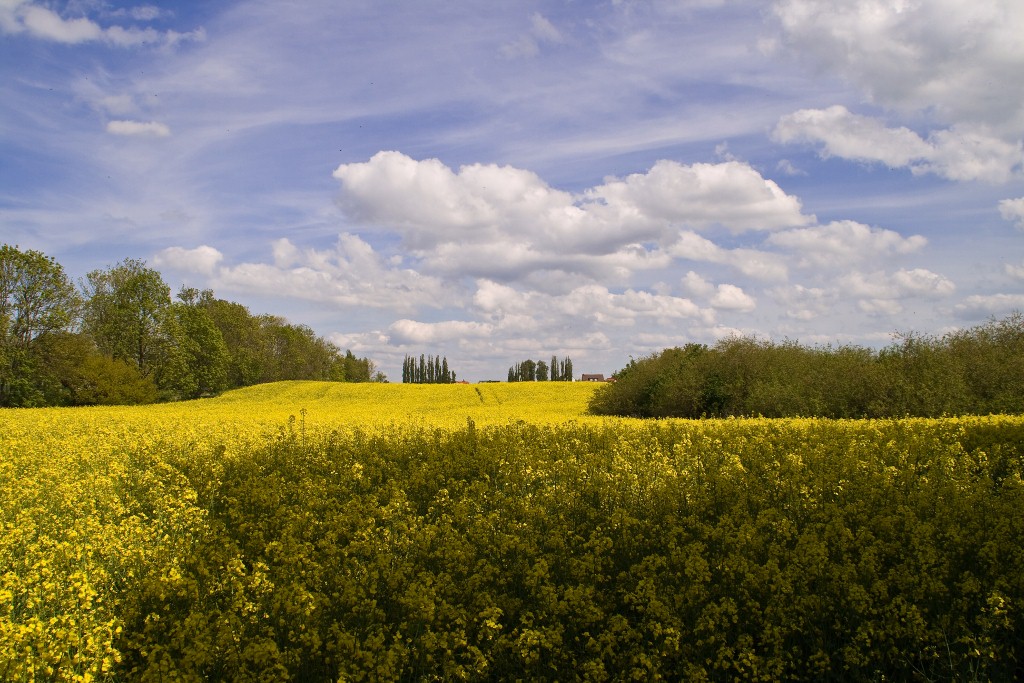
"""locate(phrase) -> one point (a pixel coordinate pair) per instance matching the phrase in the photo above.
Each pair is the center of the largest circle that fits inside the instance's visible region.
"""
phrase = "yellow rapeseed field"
(70, 537)
(323, 531)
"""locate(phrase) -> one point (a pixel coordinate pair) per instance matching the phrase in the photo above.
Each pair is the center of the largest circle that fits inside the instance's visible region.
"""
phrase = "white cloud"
(21, 16)
(959, 153)
(412, 332)
(786, 167)
(696, 285)
(960, 60)
(350, 274)
(733, 298)
(145, 13)
(761, 265)
(723, 297)
(508, 223)
(731, 194)
(594, 303)
(1013, 210)
(879, 293)
(203, 259)
(44, 23)
(1016, 272)
(850, 136)
(139, 128)
(844, 242)
(541, 32)
(805, 303)
(990, 305)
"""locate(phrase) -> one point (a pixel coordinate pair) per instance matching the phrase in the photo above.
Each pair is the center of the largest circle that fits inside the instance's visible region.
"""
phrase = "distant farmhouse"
(592, 378)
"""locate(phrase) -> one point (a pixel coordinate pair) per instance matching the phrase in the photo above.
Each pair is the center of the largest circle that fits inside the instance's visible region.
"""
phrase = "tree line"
(427, 370)
(120, 338)
(973, 371)
(540, 371)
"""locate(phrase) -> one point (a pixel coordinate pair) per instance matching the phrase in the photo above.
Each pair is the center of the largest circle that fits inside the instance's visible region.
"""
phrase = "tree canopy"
(973, 371)
(541, 371)
(120, 338)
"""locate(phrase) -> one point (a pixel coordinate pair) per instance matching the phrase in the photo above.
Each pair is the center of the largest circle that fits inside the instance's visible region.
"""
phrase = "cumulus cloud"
(843, 243)
(507, 223)
(428, 202)
(1013, 210)
(731, 194)
(38, 21)
(986, 305)
(724, 297)
(203, 259)
(957, 154)
(951, 62)
(961, 60)
(412, 332)
(595, 303)
(696, 285)
(350, 274)
(733, 298)
(880, 293)
(805, 303)
(139, 128)
(754, 263)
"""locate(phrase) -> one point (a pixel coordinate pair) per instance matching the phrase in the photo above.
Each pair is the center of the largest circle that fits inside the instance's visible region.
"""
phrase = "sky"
(500, 181)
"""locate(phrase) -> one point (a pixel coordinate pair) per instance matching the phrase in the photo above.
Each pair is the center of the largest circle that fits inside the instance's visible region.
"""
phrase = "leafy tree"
(36, 298)
(197, 359)
(353, 369)
(126, 312)
(243, 335)
(978, 370)
(540, 371)
(134, 344)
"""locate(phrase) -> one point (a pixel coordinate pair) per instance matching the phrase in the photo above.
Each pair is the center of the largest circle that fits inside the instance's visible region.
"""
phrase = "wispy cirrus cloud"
(139, 128)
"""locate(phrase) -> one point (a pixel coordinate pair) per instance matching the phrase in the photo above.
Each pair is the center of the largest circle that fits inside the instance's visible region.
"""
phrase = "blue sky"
(499, 181)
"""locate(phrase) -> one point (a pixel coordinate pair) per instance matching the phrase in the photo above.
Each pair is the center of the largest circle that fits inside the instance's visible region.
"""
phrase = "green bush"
(975, 371)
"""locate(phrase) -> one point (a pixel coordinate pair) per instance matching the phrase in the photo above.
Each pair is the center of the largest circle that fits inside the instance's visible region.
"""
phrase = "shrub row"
(977, 371)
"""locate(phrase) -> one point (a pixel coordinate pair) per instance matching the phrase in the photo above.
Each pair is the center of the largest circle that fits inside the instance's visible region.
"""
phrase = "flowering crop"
(323, 532)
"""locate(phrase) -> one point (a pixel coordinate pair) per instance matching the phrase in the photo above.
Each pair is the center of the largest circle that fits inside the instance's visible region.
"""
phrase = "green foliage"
(428, 370)
(36, 299)
(541, 371)
(124, 341)
(198, 359)
(125, 314)
(974, 371)
(74, 373)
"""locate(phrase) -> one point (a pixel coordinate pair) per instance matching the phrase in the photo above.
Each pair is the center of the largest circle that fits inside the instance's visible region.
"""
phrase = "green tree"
(243, 335)
(542, 371)
(126, 312)
(197, 359)
(36, 299)
(428, 370)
